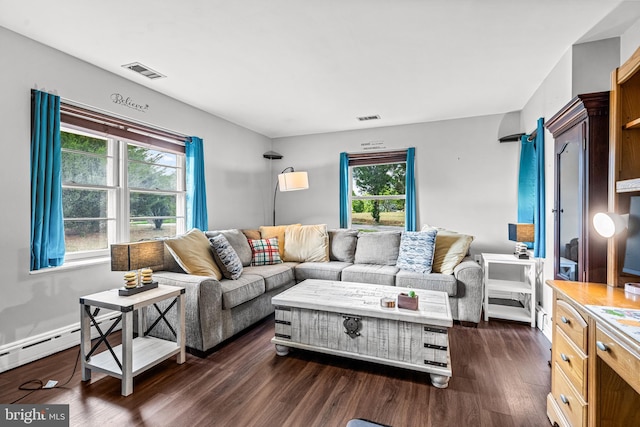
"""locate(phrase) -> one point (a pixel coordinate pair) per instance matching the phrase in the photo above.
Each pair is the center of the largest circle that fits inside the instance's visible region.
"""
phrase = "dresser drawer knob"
(602, 346)
(564, 357)
(565, 320)
(564, 399)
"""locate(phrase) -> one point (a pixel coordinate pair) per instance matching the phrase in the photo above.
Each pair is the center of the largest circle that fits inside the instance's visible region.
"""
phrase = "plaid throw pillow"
(264, 251)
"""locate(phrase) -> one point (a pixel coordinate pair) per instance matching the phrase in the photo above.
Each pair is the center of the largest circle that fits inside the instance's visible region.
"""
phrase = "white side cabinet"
(495, 305)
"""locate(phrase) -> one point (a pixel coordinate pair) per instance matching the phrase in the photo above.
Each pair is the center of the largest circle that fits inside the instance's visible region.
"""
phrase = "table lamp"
(137, 255)
(521, 233)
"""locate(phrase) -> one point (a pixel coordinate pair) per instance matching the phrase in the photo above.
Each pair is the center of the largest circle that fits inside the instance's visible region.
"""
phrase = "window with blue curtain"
(381, 192)
(75, 183)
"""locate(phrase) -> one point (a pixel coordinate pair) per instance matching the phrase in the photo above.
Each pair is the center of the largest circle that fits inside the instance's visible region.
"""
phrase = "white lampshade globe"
(608, 224)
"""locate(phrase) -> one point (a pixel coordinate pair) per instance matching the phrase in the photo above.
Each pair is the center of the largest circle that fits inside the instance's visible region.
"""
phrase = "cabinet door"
(568, 204)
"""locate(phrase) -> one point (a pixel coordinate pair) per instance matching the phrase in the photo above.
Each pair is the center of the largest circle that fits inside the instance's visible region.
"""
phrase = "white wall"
(629, 41)
(466, 180)
(237, 177)
(592, 64)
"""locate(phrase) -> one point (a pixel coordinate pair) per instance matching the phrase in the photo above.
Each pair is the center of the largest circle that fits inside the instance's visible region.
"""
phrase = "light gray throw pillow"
(238, 242)
(379, 248)
(342, 244)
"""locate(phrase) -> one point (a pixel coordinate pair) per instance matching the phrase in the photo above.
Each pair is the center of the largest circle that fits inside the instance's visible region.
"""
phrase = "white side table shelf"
(526, 286)
(133, 356)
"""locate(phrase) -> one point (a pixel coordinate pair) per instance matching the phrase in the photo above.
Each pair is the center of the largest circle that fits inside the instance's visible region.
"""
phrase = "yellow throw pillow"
(307, 243)
(269, 231)
(451, 248)
(192, 251)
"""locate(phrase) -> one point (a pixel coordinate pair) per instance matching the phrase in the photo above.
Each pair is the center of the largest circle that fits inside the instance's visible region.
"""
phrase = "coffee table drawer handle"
(437, 347)
(352, 326)
(431, 362)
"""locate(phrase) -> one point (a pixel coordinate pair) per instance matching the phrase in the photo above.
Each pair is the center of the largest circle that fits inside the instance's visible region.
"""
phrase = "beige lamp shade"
(292, 181)
(522, 232)
(133, 256)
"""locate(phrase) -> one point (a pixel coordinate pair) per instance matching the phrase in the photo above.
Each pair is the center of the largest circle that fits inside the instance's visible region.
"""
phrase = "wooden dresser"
(595, 377)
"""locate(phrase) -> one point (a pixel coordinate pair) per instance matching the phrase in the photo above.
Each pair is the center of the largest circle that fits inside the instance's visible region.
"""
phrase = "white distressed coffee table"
(346, 319)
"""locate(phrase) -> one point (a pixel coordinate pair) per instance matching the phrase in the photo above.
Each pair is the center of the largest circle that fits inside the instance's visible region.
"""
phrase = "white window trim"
(384, 197)
(118, 205)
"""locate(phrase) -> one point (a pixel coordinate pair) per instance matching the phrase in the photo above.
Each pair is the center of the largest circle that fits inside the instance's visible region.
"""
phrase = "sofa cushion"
(320, 270)
(306, 243)
(226, 257)
(378, 248)
(192, 252)
(268, 231)
(451, 248)
(431, 281)
(238, 242)
(416, 251)
(342, 245)
(275, 276)
(370, 273)
(265, 251)
(251, 234)
(236, 292)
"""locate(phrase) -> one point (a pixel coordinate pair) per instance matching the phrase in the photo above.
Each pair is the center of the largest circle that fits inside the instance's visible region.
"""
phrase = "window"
(378, 190)
(117, 189)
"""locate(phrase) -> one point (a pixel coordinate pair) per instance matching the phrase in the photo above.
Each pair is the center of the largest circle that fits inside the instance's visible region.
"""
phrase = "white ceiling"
(287, 67)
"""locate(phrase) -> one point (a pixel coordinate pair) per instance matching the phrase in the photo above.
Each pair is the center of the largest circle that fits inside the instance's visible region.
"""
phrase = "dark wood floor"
(500, 378)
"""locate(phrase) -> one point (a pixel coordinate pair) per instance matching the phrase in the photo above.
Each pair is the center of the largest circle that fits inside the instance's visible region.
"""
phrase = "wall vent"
(144, 70)
(365, 118)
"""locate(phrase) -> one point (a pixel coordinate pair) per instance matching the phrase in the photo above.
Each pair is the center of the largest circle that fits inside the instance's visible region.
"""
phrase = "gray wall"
(237, 177)
(466, 180)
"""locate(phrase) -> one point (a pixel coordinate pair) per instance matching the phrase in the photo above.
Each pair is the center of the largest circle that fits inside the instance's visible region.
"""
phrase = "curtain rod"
(532, 135)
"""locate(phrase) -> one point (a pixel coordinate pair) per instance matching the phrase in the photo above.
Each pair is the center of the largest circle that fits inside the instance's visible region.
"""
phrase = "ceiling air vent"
(144, 70)
(365, 118)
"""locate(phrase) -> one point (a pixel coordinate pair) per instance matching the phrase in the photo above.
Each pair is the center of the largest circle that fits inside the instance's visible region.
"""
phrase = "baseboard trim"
(24, 351)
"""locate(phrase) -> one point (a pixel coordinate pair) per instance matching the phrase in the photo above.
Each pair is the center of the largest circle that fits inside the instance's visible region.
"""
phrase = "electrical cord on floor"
(35, 385)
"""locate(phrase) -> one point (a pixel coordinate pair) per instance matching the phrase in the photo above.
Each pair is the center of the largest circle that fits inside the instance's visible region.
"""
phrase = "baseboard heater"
(24, 351)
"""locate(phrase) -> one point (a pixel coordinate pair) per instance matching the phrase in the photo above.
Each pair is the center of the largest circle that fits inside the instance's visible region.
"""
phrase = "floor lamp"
(289, 180)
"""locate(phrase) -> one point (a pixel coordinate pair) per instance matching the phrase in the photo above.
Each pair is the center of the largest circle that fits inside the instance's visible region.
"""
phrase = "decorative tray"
(126, 292)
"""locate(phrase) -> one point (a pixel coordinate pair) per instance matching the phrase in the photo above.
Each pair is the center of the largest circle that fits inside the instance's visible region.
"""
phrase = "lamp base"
(124, 292)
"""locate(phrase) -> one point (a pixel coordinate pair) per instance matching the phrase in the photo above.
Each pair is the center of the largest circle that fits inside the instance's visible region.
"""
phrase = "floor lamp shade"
(292, 181)
(289, 180)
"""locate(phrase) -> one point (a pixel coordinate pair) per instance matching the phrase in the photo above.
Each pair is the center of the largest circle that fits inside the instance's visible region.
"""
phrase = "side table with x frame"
(133, 356)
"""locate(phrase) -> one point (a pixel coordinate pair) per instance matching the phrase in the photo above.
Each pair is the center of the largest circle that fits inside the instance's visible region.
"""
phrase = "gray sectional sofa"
(219, 309)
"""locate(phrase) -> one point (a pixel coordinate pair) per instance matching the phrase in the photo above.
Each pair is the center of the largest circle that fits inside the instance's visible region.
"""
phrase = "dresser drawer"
(568, 399)
(572, 323)
(621, 358)
(571, 360)
(554, 413)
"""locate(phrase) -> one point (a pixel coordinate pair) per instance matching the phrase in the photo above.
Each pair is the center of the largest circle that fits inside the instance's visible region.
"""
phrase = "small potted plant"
(408, 301)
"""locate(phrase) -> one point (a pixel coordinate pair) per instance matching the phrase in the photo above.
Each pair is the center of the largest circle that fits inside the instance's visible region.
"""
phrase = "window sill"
(73, 265)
